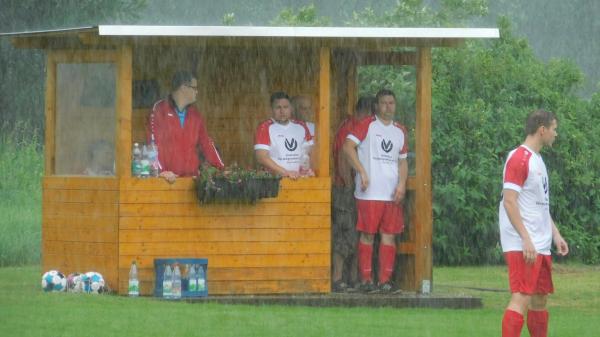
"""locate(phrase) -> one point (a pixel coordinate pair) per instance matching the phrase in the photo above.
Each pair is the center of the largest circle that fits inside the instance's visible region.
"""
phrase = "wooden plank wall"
(279, 245)
(234, 88)
(79, 225)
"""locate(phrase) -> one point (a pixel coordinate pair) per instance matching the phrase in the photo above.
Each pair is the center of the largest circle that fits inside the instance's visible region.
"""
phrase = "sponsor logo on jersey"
(291, 145)
(545, 184)
(387, 146)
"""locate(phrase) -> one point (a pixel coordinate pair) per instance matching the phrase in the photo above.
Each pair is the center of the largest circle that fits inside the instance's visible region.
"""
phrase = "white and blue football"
(54, 280)
(93, 283)
(74, 283)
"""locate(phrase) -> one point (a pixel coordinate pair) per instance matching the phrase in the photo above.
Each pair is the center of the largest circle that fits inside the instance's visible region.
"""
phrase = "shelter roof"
(351, 37)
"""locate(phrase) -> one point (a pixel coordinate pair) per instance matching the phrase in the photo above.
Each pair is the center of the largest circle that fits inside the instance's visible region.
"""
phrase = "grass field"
(21, 167)
(26, 311)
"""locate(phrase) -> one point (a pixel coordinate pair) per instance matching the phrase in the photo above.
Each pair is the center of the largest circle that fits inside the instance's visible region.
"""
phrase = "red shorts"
(527, 278)
(379, 216)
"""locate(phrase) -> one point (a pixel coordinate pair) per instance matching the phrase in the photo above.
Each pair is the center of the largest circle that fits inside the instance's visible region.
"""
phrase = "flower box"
(235, 185)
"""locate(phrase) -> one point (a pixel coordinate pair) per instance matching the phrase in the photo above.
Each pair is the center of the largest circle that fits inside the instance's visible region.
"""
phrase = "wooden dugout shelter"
(101, 83)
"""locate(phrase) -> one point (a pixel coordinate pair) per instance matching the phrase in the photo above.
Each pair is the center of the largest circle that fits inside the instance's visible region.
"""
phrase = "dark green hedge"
(481, 96)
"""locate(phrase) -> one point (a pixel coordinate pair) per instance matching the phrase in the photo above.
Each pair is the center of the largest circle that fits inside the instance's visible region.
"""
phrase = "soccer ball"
(54, 280)
(74, 283)
(93, 282)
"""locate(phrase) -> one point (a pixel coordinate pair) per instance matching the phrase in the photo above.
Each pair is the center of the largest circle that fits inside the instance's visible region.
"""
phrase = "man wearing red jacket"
(179, 130)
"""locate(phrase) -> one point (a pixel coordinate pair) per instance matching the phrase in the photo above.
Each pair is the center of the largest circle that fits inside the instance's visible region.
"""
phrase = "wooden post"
(123, 113)
(49, 153)
(324, 110)
(423, 195)
(352, 85)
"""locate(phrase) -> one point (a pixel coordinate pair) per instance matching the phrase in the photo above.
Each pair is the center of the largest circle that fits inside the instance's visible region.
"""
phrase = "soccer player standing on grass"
(377, 148)
(527, 229)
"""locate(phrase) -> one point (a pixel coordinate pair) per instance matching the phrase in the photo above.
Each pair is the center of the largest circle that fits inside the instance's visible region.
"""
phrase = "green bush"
(481, 96)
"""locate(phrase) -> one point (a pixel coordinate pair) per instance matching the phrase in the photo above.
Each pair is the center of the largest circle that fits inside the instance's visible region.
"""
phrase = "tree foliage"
(481, 96)
(22, 71)
(414, 13)
(304, 16)
(22, 15)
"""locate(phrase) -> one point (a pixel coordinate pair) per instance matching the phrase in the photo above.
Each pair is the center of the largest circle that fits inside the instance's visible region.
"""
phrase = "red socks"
(387, 257)
(365, 256)
(512, 323)
(537, 323)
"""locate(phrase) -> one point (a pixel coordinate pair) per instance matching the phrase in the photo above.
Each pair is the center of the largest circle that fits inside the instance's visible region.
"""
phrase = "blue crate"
(159, 269)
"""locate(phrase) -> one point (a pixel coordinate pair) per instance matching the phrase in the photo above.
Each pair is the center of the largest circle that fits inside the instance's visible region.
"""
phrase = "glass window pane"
(85, 119)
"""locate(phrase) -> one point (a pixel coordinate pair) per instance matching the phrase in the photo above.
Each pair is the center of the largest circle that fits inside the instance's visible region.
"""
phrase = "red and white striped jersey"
(285, 143)
(380, 147)
(525, 172)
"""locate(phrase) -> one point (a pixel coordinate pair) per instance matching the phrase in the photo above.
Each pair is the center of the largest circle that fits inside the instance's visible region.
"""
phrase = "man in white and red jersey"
(343, 210)
(283, 144)
(377, 148)
(527, 229)
(179, 130)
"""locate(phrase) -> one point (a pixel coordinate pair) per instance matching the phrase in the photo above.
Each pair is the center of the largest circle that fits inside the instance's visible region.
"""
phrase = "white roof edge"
(47, 31)
(316, 32)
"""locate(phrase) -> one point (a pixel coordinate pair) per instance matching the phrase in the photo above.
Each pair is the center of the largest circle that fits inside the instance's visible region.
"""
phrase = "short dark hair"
(180, 78)
(538, 118)
(384, 92)
(366, 103)
(279, 95)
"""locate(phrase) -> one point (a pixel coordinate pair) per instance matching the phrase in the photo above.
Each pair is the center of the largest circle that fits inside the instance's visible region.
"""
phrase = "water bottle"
(201, 279)
(134, 283)
(136, 161)
(167, 282)
(192, 280)
(145, 173)
(155, 167)
(176, 294)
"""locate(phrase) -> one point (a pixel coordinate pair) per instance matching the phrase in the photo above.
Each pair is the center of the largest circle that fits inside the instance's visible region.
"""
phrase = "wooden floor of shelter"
(402, 300)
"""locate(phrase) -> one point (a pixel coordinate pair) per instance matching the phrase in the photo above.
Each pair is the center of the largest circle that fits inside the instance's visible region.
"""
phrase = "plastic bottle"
(201, 279)
(136, 161)
(134, 283)
(167, 282)
(155, 167)
(192, 280)
(176, 282)
(145, 173)
(185, 273)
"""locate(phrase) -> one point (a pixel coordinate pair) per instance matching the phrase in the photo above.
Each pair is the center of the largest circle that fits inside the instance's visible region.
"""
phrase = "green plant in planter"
(235, 184)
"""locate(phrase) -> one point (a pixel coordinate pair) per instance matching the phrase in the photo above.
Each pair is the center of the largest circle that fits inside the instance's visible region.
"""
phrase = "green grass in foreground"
(26, 311)
(20, 232)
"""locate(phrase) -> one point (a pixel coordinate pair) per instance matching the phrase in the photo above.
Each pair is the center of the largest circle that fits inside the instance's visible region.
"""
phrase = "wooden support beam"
(50, 147)
(124, 111)
(324, 111)
(423, 201)
(352, 83)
